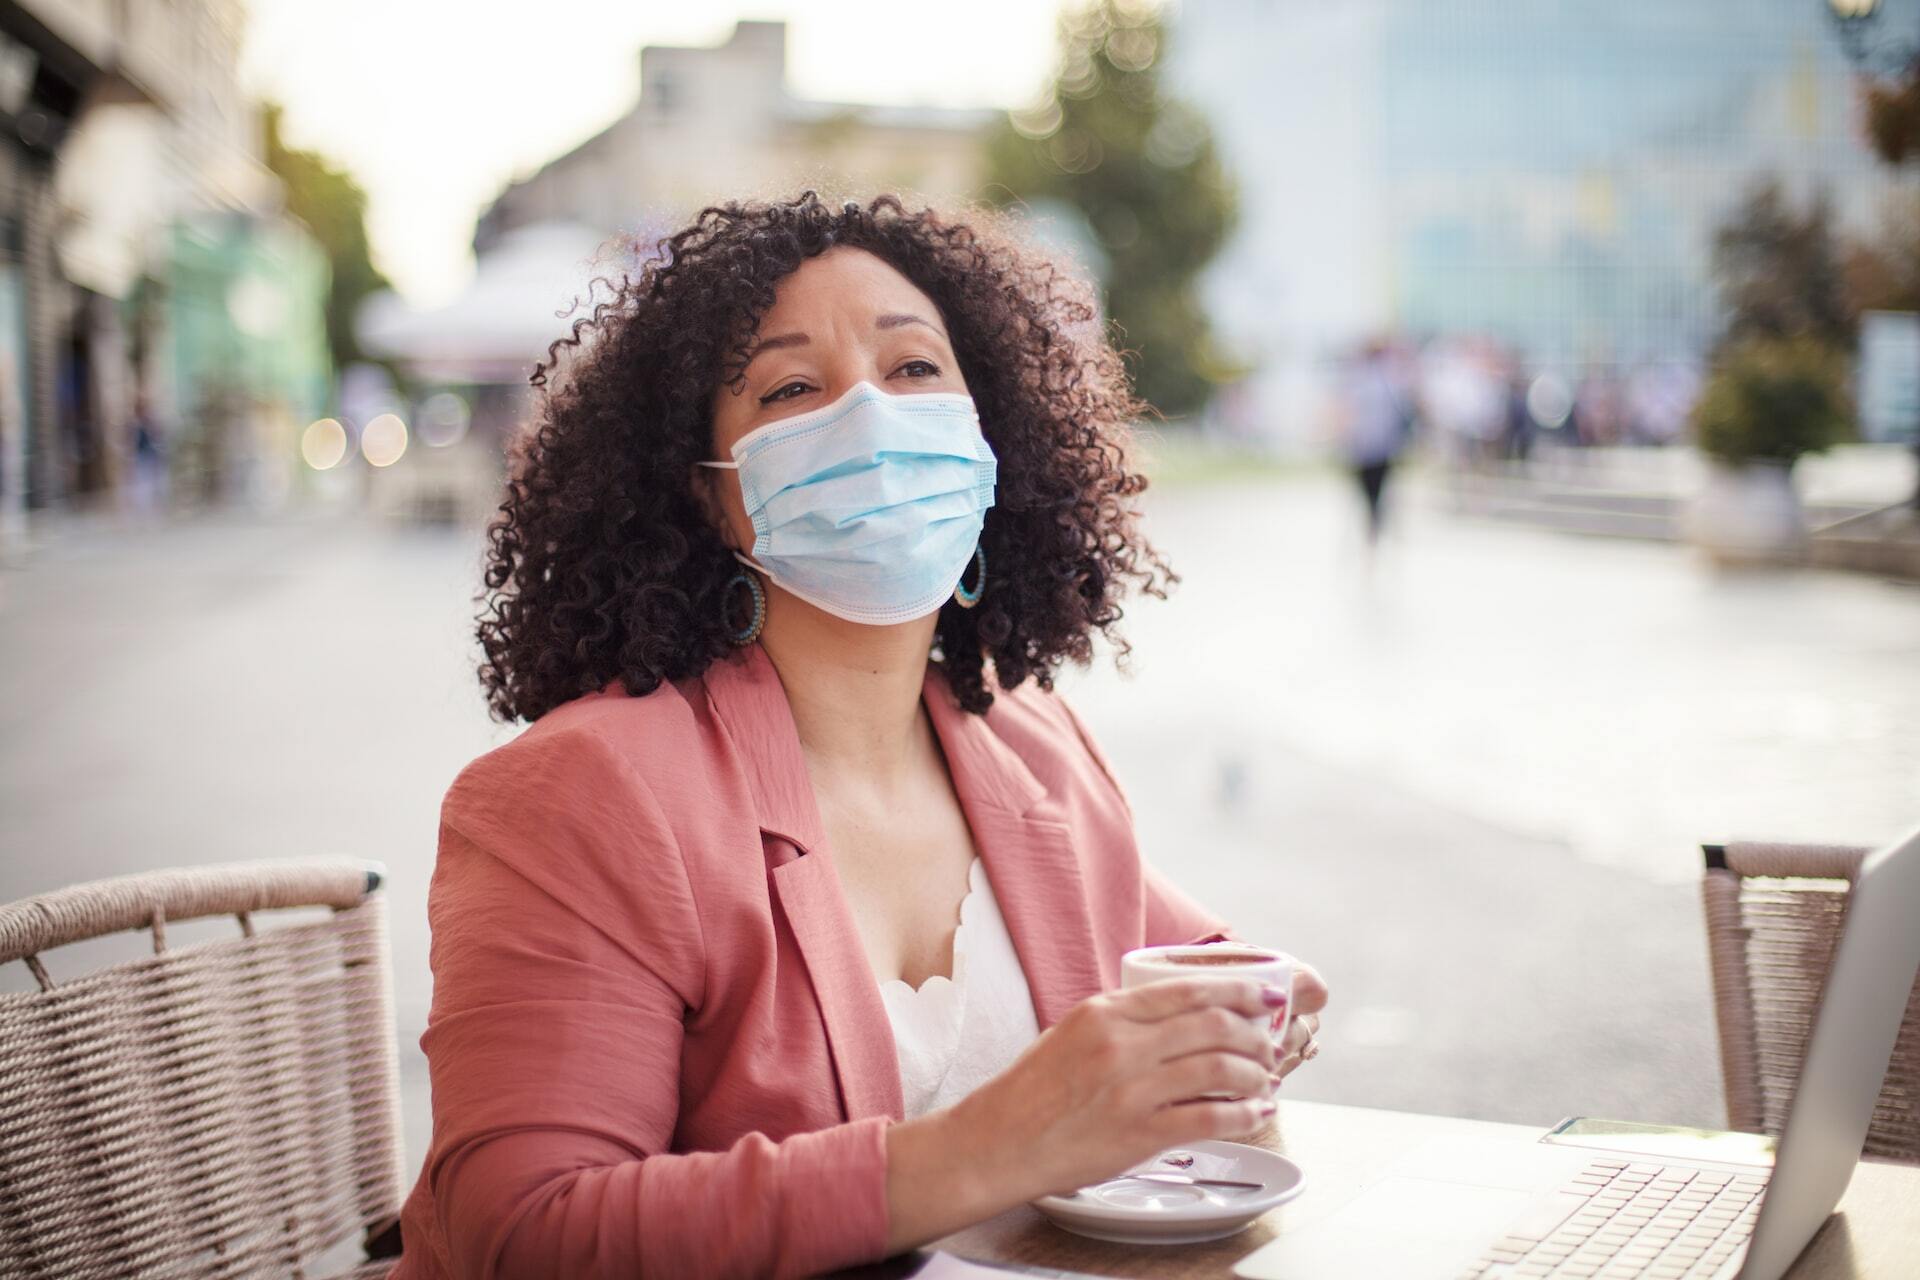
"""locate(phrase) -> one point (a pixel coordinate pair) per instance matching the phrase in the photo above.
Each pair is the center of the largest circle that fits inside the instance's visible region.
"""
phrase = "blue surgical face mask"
(871, 507)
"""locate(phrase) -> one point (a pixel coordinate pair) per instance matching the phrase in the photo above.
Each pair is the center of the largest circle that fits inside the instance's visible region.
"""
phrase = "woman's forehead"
(842, 278)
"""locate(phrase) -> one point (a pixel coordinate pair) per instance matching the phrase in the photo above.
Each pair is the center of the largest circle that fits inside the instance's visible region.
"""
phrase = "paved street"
(1467, 780)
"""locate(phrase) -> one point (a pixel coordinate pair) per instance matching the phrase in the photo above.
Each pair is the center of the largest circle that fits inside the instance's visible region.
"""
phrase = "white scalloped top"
(954, 1034)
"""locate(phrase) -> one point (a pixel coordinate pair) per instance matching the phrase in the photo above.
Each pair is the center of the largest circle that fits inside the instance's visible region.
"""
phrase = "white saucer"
(1133, 1212)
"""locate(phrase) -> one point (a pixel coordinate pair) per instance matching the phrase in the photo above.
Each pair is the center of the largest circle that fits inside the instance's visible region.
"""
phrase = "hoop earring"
(967, 599)
(751, 632)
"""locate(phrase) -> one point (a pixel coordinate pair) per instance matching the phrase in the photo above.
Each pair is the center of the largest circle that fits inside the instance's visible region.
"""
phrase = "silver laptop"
(1500, 1208)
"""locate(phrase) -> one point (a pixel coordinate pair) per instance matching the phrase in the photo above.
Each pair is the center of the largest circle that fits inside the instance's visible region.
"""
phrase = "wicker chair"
(1773, 921)
(226, 1109)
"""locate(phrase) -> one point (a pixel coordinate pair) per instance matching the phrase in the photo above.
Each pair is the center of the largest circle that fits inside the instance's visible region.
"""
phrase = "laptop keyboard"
(1618, 1219)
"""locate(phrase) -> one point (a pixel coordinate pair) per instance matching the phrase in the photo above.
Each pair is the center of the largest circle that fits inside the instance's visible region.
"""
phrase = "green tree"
(1142, 168)
(1883, 270)
(1892, 111)
(1782, 272)
(334, 208)
(1773, 399)
(1781, 368)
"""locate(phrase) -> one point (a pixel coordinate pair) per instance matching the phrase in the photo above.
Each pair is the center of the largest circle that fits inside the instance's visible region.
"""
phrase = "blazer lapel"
(1029, 856)
(747, 698)
(858, 1032)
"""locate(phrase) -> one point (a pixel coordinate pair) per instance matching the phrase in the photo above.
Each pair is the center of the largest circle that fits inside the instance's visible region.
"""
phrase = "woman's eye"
(780, 392)
(932, 369)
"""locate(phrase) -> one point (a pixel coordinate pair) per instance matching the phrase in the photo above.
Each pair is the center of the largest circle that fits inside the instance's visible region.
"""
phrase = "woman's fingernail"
(1274, 997)
(1273, 1081)
(1267, 1109)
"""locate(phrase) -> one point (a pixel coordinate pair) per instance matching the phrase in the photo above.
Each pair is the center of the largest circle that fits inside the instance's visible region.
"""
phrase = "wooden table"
(1875, 1233)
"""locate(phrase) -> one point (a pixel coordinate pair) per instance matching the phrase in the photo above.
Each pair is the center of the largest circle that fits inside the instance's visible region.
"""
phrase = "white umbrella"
(510, 311)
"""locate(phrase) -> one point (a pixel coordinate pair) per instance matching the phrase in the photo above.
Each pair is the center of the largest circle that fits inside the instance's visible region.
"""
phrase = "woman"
(776, 944)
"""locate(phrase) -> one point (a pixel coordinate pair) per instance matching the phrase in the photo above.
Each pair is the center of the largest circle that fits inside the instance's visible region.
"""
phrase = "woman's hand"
(1110, 1084)
(1114, 1081)
(1309, 998)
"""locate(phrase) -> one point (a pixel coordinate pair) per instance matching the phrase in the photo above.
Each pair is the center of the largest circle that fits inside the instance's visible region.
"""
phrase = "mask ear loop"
(750, 563)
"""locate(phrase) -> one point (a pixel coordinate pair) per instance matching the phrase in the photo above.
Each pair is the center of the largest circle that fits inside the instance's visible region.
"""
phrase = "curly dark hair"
(600, 561)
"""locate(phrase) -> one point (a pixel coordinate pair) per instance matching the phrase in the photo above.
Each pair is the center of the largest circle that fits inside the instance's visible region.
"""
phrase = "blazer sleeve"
(567, 951)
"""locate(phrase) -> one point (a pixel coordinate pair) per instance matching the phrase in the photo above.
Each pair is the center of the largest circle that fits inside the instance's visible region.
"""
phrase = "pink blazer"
(656, 1045)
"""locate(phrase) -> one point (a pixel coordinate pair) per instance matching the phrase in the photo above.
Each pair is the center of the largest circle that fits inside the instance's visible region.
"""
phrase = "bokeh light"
(323, 444)
(1550, 401)
(384, 440)
(444, 419)
(257, 305)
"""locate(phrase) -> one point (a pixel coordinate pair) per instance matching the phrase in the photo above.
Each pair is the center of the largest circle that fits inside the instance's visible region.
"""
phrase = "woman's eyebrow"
(777, 341)
(894, 319)
(890, 320)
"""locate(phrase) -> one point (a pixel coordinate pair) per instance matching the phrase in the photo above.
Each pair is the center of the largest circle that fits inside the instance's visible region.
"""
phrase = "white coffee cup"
(1215, 960)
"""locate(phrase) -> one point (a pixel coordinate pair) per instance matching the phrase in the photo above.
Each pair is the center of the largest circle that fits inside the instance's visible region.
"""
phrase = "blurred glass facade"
(1546, 174)
(1558, 169)
(247, 343)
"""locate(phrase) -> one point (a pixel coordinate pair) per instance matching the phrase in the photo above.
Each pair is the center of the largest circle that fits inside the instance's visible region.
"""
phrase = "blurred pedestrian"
(1600, 407)
(149, 479)
(1659, 398)
(1377, 419)
(1464, 395)
(1521, 429)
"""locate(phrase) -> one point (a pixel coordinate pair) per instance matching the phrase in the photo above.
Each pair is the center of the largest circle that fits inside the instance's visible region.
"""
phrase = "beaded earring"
(967, 599)
(751, 632)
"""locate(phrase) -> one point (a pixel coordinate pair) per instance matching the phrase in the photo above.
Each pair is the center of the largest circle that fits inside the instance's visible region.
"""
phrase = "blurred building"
(1548, 176)
(713, 123)
(144, 257)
